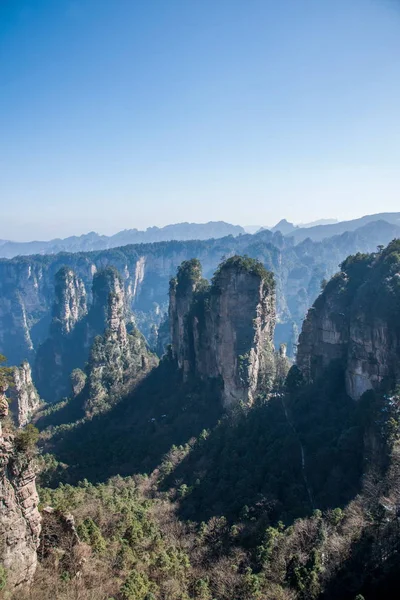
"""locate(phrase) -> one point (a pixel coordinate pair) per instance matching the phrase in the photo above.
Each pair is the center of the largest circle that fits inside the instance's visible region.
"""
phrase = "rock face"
(98, 335)
(118, 359)
(225, 331)
(181, 292)
(356, 321)
(25, 399)
(65, 348)
(70, 301)
(20, 521)
(28, 292)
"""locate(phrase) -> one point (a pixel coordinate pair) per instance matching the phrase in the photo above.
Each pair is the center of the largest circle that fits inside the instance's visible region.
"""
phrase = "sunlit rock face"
(224, 331)
(20, 520)
(24, 396)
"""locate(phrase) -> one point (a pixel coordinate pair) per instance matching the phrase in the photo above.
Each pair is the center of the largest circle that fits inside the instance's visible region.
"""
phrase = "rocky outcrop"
(27, 284)
(356, 322)
(20, 521)
(181, 292)
(225, 331)
(24, 396)
(65, 348)
(74, 328)
(70, 301)
(118, 359)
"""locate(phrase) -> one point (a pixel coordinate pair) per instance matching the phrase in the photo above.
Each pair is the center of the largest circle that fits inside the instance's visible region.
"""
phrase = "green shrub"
(26, 439)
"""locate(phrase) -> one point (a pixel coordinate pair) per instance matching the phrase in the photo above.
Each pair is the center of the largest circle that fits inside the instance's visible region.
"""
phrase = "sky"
(135, 113)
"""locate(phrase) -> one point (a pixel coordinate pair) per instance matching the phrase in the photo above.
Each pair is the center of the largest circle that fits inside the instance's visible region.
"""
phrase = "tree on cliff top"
(6, 374)
(244, 264)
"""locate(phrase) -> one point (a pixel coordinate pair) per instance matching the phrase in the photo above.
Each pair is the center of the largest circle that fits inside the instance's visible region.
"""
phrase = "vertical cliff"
(226, 331)
(181, 293)
(70, 301)
(25, 399)
(118, 358)
(20, 520)
(356, 321)
(58, 355)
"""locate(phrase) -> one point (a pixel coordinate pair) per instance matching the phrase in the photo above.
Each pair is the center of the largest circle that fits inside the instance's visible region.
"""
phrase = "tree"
(26, 439)
(6, 374)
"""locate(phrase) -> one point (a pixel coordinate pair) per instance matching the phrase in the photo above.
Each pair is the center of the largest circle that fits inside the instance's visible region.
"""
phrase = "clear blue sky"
(131, 113)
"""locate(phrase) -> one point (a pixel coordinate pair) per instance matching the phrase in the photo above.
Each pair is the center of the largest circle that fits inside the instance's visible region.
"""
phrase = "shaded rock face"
(373, 355)
(25, 399)
(226, 331)
(20, 520)
(324, 336)
(182, 291)
(356, 321)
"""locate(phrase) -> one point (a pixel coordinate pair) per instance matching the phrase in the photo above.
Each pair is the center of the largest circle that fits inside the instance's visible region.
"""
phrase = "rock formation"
(118, 359)
(356, 321)
(65, 347)
(181, 292)
(225, 331)
(98, 335)
(24, 396)
(20, 520)
(28, 294)
(70, 301)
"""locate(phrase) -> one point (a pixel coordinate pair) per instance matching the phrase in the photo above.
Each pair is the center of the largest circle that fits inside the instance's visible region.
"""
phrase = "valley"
(222, 469)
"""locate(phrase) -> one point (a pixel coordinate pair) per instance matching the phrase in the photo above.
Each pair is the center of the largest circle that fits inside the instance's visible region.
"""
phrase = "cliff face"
(25, 399)
(20, 521)
(118, 359)
(182, 290)
(28, 294)
(74, 328)
(226, 331)
(65, 348)
(356, 321)
(70, 301)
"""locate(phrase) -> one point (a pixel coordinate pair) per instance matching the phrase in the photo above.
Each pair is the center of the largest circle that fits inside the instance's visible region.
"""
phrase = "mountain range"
(316, 230)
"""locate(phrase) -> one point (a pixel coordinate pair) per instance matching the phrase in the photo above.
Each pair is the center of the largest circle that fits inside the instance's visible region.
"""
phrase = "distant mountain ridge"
(317, 233)
(94, 241)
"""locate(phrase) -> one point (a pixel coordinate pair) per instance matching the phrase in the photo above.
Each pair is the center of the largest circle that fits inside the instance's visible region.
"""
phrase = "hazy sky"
(131, 113)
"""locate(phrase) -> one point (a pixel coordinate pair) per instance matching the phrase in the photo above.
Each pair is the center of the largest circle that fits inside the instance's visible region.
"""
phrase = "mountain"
(94, 241)
(318, 222)
(321, 232)
(284, 227)
(220, 474)
(224, 330)
(102, 334)
(28, 290)
(355, 321)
